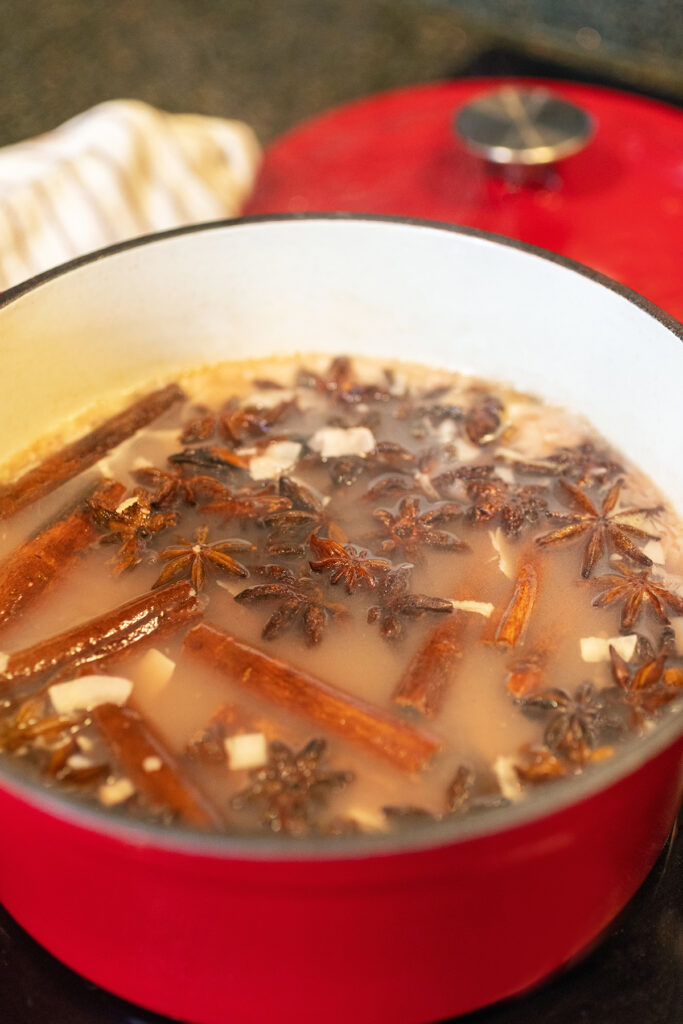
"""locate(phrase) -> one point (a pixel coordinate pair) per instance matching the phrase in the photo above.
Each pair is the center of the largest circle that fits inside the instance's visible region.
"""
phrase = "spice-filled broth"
(317, 597)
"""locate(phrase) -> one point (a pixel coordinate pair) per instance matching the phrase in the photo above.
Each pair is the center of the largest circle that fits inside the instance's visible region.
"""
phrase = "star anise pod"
(240, 424)
(347, 563)
(516, 506)
(300, 601)
(131, 523)
(574, 722)
(409, 529)
(397, 602)
(483, 419)
(292, 525)
(636, 588)
(214, 458)
(168, 489)
(245, 503)
(389, 486)
(604, 527)
(583, 464)
(340, 385)
(193, 558)
(201, 428)
(291, 788)
(644, 689)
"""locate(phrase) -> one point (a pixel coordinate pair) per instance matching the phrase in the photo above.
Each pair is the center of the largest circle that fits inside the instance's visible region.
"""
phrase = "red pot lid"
(617, 205)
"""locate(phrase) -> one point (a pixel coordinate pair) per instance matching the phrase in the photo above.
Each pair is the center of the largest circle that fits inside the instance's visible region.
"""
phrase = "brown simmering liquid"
(426, 487)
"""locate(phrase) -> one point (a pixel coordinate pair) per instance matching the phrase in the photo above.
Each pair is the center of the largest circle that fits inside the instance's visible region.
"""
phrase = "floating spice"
(604, 527)
(150, 766)
(409, 529)
(397, 602)
(286, 686)
(636, 590)
(79, 455)
(193, 558)
(426, 682)
(290, 789)
(300, 602)
(37, 563)
(104, 637)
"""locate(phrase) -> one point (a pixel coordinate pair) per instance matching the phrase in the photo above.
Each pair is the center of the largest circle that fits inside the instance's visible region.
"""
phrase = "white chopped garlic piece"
(369, 819)
(127, 503)
(505, 473)
(155, 670)
(508, 780)
(504, 563)
(278, 458)
(446, 431)
(85, 744)
(112, 793)
(89, 692)
(654, 549)
(152, 763)
(246, 750)
(268, 398)
(427, 486)
(478, 607)
(4, 660)
(468, 452)
(80, 761)
(331, 442)
(596, 648)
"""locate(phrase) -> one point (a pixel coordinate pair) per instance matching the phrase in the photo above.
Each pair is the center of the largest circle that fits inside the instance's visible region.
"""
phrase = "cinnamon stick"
(425, 682)
(36, 564)
(515, 619)
(353, 718)
(71, 460)
(105, 637)
(152, 769)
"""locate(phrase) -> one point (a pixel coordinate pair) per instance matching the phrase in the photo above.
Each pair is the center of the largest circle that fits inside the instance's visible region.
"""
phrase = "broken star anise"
(346, 562)
(168, 489)
(192, 558)
(483, 419)
(409, 529)
(636, 588)
(300, 600)
(645, 689)
(584, 465)
(515, 505)
(291, 788)
(291, 524)
(241, 423)
(603, 527)
(131, 523)
(340, 385)
(397, 602)
(245, 504)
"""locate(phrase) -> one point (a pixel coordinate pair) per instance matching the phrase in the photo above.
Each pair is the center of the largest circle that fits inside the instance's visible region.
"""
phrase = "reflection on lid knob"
(523, 126)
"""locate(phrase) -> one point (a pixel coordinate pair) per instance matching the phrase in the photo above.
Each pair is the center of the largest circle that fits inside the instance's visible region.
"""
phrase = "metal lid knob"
(521, 126)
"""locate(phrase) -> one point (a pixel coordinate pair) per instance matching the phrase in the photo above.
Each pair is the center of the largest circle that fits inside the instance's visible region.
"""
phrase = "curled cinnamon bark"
(105, 637)
(36, 564)
(288, 687)
(152, 769)
(425, 682)
(86, 451)
(515, 618)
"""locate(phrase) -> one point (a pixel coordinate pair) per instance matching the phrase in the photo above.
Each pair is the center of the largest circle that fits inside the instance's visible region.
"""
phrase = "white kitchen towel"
(118, 170)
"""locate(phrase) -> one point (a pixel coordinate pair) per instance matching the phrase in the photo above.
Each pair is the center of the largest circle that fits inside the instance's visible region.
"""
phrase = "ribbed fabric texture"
(119, 170)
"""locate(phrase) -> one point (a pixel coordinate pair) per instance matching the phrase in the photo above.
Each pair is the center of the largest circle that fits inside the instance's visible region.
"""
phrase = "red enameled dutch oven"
(408, 928)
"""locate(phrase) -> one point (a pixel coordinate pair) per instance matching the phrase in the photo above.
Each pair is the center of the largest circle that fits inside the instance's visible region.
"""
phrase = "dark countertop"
(274, 64)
